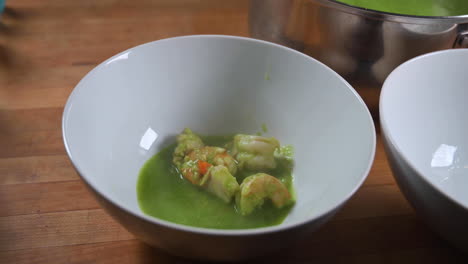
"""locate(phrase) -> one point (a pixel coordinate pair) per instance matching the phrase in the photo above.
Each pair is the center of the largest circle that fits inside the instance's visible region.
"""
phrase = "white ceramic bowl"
(423, 113)
(130, 106)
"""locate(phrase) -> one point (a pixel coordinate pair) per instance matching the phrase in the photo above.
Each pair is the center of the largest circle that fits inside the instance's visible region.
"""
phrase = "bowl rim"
(385, 126)
(212, 231)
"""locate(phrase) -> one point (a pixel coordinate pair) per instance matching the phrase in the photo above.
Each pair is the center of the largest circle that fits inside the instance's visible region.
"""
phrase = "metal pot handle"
(462, 40)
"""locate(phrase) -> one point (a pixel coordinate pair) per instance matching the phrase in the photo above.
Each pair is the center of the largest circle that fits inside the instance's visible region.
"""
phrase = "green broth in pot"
(414, 7)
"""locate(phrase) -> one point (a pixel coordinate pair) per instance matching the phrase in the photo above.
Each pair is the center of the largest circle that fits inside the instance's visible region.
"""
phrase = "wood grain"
(127, 251)
(375, 201)
(366, 241)
(380, 170)
(36, 169)
(46, 213)
(30, 119)
(59, 229)
(32, 143)
(47, 197)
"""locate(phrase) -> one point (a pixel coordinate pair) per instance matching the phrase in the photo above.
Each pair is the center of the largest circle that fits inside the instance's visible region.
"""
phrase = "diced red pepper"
(203, 167)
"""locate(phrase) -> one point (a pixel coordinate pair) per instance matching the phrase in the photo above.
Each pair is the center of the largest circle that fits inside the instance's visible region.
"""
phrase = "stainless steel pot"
(362, 45)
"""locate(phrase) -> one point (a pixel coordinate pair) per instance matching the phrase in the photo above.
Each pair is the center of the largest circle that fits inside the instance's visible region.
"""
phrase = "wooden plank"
(368, 236)
(36, 169)
(49, 41)
(370, 240)
(380, 172)
(23, 98)
(23, 120)
(78, 18)
(136, 252)
(38, 46)
(60, 35)
(20, 199)
(58, 82)
(52, 86)
(180, 4)
(375, 201)
(31, 143)
(410, 256)
(128, 251)
(59, 229)
(444, 254)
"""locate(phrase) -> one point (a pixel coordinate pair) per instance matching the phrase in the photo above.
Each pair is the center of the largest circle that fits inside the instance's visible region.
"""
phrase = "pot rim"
(394, 17)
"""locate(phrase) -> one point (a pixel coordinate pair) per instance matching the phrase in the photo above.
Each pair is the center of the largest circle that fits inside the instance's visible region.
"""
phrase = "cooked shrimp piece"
(210, 168)
(215, 179)
(215, 156)
(190, 170)
(255, 189)
(220, 182)
(187, 141)
(255, 144)
(254, 152)
(284, 155)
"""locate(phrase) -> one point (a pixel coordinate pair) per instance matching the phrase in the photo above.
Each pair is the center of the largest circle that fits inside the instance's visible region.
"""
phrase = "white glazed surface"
(423, 111)
(132, 105)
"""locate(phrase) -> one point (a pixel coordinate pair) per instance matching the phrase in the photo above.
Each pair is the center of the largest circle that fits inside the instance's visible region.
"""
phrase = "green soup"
(163, 193)
(414, 7)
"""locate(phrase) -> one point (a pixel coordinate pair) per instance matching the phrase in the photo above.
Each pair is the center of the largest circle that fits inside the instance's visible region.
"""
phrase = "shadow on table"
(389, 239)
(150, 255)
(338, 242)
(5, 31)
(11, 62)
(9, 21)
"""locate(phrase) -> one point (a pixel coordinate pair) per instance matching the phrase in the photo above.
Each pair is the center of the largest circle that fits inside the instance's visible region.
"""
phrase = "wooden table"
(47, 215)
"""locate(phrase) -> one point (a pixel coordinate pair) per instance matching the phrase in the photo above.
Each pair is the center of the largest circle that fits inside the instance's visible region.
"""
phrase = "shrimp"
(215, 179)
(187, 141)
(215, 156)
(210, 168)
(255, 152)
(255, 144)
(258, 187)
(220, 182)
(191, 172)
(284, 155)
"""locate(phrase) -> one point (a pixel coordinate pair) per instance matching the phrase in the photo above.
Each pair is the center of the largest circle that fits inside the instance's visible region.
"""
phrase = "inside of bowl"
(424, 107)
(132, 105)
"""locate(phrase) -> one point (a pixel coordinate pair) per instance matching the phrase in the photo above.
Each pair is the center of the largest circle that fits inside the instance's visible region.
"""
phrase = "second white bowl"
(423, 113)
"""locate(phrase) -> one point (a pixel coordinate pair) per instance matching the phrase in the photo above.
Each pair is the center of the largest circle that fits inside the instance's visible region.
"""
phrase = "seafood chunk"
(255, 189)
